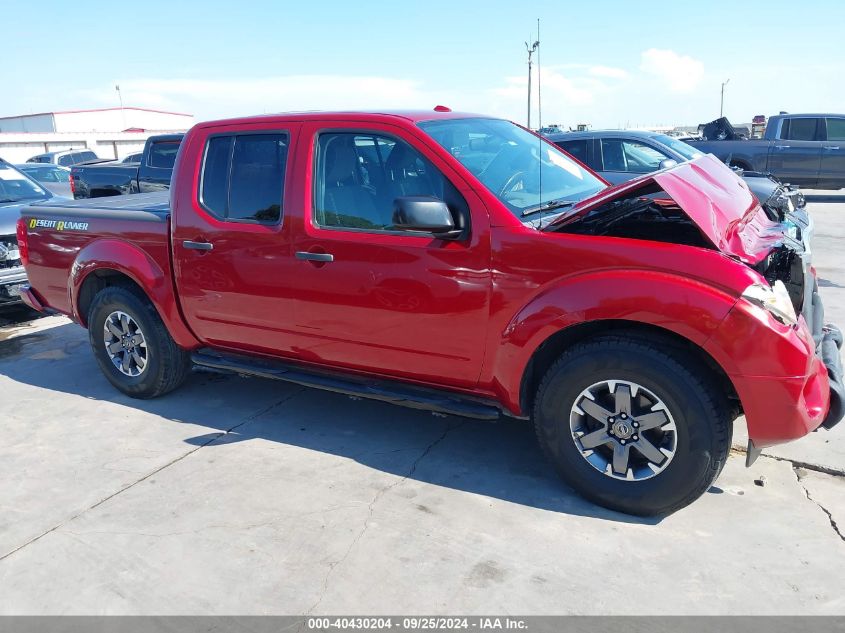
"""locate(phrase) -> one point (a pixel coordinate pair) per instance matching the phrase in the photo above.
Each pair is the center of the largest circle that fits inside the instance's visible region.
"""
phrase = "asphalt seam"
(151, 474)
(371, 508)
(833, 524)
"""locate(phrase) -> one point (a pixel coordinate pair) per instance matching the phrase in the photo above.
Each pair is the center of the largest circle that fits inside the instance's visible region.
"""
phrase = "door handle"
(315, 257)
(782, 146)
(198, 246)
(831, 147)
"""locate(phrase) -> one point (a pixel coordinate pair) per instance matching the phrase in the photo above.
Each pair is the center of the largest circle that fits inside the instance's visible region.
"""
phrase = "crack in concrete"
(371, 508)
(216, 437)
(833, 524)
(816, 468)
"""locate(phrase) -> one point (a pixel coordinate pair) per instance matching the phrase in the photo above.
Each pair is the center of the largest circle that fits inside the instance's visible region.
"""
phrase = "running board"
(392, 391)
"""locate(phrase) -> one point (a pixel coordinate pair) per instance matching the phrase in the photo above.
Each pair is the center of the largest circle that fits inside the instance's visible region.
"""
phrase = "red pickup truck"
(464, 265)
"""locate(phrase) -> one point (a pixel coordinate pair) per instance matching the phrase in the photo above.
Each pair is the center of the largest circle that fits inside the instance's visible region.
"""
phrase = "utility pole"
(539, 72)
(531, 48)
(722, 104)
(122, 112)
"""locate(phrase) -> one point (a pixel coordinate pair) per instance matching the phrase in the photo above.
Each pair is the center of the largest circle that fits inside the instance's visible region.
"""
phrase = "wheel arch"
(553, 346)
(114, 262)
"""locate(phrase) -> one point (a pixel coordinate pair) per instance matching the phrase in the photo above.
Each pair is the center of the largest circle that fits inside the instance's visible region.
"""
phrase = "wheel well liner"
(95, 282)
(551, 349)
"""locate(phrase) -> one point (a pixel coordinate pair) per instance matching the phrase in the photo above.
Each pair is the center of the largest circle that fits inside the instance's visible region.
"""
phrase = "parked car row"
(620, 155)
(17, 190)
(150, 172)
(52, 177)
(807, 150)
(464, 265)
(65, 158)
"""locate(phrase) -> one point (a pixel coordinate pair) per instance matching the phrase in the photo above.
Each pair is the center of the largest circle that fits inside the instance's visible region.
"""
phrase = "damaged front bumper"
(799, 414)
(789, 379)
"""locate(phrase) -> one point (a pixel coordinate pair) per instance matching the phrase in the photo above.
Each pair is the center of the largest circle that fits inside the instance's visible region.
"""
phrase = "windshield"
(687, 151)
(15, 187)
(520, 169)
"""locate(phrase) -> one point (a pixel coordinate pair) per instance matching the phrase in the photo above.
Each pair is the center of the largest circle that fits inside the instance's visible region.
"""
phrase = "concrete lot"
(251, 497)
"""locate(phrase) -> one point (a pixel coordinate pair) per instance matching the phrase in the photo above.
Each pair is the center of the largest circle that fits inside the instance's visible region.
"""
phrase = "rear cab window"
(163, 154)
(800, 129)
(243, 176)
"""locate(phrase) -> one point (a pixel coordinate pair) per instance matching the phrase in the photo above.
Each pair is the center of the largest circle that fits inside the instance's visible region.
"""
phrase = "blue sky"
(605, 63)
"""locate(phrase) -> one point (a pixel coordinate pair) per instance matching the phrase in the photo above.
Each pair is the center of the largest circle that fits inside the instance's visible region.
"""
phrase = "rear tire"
(132, 346)
(651, 467)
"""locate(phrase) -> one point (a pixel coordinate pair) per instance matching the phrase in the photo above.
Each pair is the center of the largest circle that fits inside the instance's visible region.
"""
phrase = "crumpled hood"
(715, 199)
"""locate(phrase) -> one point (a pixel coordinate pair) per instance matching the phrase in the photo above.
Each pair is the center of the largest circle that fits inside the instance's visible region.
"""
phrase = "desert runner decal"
(59, 225)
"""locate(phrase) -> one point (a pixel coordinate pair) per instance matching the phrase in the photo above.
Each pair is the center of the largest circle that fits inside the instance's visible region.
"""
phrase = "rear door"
(369, 296)
(578, 148)
(795, 156)
(156, 167)
(231, 244)
(832, 174)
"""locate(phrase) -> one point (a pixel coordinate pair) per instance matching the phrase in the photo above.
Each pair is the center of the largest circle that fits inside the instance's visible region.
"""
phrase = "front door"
(625, 159)
(372, 297)
(231, 245)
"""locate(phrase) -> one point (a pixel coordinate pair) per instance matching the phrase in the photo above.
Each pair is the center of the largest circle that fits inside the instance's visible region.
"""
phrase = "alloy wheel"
(125, 344)
(623, 430)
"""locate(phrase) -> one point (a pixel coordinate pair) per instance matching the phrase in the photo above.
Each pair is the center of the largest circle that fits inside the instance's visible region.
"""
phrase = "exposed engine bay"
(648, 216)
(651, 214)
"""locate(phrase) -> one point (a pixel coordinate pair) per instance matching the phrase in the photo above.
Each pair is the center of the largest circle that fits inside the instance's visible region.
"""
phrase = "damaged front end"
(703, 204)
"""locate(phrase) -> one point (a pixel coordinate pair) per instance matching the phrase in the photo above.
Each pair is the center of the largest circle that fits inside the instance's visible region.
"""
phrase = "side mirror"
(425, 213)
(666, 163)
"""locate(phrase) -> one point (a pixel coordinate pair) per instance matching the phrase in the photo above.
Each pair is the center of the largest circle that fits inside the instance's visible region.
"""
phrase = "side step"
(392, 391)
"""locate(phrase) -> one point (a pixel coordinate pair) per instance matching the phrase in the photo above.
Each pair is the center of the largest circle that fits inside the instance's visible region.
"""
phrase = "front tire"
(132, 346)
(632, 424)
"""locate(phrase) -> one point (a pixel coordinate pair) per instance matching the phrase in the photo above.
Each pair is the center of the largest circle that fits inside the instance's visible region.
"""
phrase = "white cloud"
(681, 73)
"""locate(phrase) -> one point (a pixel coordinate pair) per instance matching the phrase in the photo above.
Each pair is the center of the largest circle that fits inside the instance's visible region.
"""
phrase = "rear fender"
(127, 259)
(685, 307)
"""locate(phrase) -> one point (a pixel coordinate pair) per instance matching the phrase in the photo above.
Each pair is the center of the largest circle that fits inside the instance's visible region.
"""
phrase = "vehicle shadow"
(497, 459)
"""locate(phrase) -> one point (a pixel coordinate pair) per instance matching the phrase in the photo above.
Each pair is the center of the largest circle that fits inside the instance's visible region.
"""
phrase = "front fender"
(688, 308)
(128, 259)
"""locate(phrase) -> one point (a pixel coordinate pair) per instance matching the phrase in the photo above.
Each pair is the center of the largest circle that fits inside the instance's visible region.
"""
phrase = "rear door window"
(804, 129)
(576, 148)
(243, 177)
(66, 160)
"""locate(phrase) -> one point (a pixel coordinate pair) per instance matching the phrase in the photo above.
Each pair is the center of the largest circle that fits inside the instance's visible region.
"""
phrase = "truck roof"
(412, 116)
(806, 114)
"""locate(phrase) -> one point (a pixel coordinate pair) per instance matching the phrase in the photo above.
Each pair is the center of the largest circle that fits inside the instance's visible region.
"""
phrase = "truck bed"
(80, 235)
(157, 202)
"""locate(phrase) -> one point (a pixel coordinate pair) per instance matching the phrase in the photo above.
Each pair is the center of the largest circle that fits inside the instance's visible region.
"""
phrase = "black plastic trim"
(830, 345)
(385, 390)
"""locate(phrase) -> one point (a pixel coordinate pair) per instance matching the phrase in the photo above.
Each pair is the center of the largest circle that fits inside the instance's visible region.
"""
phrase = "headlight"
(774, 300)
